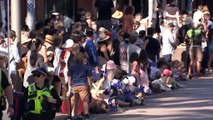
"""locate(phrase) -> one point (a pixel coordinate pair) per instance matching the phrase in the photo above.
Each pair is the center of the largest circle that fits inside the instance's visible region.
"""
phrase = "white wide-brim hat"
(68, 44)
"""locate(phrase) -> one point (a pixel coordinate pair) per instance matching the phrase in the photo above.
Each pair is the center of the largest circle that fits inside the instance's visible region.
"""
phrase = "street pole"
(30, 19)
(16, 18)
(8, 34)
(152, 7)
(190, 6)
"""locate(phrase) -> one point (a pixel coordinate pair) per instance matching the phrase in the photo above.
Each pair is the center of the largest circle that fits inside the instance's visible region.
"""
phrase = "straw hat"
(68, 44)
(117, 14)
(206, 13)
(25, 37)
(110, 65)
(49, 39)
(103, 34)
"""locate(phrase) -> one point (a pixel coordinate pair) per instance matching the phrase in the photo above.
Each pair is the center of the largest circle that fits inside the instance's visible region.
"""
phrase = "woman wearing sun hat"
(34, 59)
(116, 16)
(103, 41)
(63, 60)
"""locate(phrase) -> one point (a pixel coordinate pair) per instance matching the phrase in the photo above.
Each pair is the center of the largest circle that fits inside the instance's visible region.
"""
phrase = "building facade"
(43, 8)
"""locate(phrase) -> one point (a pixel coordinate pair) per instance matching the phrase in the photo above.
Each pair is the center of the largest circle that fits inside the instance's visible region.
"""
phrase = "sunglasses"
(36, 75)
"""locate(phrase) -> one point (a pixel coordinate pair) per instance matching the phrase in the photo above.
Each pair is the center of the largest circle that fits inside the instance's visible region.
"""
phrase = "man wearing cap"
(91, 49)
(14, 60)
(169, 43)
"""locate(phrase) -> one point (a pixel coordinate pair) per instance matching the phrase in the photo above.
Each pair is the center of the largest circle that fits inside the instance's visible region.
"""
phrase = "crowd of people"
(99, 64)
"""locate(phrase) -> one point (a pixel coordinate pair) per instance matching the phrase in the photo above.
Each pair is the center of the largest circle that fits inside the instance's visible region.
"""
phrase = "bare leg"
(210, 61)
(58, 87)
(190, 68)
(86, 107)
(122, 103)
(75, 105)
(198, 67)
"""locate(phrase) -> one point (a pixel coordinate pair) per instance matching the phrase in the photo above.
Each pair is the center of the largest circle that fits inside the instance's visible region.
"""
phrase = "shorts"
(83, 92)
(195, 53)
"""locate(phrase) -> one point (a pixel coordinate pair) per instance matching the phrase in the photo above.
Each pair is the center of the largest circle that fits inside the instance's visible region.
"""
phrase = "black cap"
(41, 70)
(126, 36)
(89, 32)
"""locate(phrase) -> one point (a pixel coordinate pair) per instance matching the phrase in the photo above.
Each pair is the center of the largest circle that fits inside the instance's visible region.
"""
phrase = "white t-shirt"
(197, 16)
(56, 60)
(167, 47)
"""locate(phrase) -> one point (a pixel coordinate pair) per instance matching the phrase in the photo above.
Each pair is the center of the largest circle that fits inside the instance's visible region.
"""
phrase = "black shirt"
(4, 80)
(153, 48)
(104, 9)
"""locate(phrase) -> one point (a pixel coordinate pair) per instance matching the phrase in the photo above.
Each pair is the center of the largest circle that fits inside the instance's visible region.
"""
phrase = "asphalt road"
(193, 102)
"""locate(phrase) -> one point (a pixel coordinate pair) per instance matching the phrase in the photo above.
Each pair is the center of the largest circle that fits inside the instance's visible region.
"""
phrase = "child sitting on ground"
(142, 80)
(118, 94)
(179, 71)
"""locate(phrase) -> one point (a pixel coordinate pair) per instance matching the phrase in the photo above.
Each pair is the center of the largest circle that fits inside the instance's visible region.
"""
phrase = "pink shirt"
(142, 77)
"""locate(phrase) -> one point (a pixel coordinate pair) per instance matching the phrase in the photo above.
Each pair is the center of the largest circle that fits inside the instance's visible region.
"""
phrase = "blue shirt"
(91, 50)
(79, 73)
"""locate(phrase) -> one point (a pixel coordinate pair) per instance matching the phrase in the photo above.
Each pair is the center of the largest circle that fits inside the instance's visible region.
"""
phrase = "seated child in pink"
(141, 76)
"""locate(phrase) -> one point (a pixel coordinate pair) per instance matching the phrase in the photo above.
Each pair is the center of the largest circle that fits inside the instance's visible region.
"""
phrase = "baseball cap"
(167, 72)
(89, 32)
(40, 70)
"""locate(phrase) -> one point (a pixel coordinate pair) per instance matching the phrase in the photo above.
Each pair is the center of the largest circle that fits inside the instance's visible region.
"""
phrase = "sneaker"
(132, 103)
(120, 110)
(189, 77)
(76, 118)
(168, 85)
(87, 117)
(142, 102)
